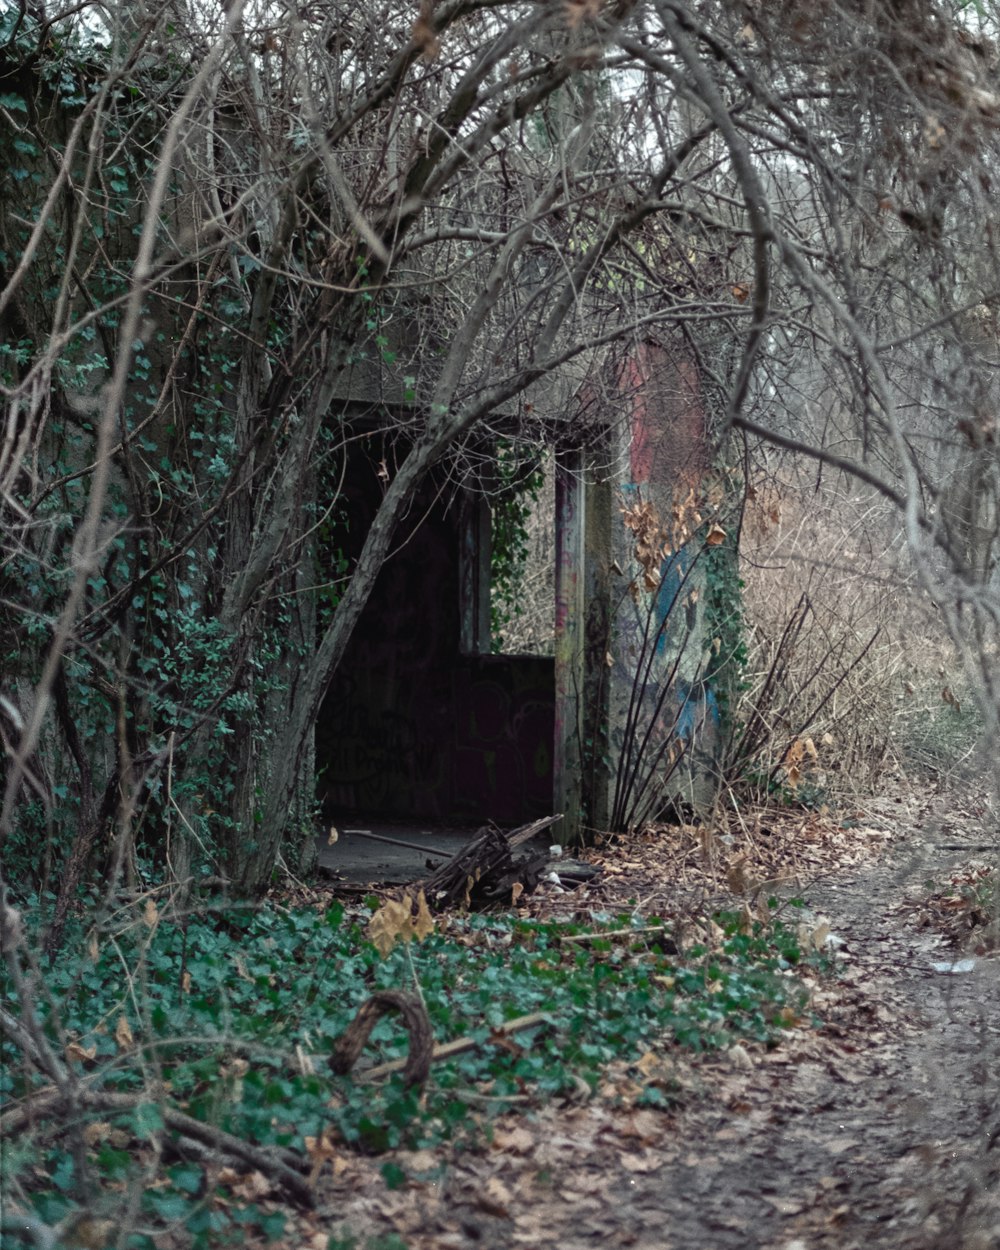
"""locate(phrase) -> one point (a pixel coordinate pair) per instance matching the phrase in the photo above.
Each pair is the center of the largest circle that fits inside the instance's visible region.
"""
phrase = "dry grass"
(870, 677)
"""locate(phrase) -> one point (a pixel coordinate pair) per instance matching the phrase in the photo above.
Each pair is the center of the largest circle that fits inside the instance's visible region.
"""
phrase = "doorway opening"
(424, 722)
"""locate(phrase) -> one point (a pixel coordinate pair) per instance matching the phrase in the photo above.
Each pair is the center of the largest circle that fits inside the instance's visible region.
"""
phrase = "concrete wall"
(660, 703)
(636, 720)
(419, 723)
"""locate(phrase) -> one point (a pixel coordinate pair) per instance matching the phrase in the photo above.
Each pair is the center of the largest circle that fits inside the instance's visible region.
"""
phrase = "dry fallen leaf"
(324, 1149)
(123, 1034)
(96, 1132)
(644, 1125)
(495, 1199)
(649, 1063)
(740, 1057)
(249, 1186)
(101, 1132)
(517, 1140)
(736, 875)
(423, 922)
(93, 1234)
(784, 1206)
(82, 1054)
(388, 924)
(395, 921)
(649, 1161)
(417, 1161)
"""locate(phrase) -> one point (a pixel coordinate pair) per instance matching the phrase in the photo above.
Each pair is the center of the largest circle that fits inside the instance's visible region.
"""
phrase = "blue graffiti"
(673, 571)
(696, 706)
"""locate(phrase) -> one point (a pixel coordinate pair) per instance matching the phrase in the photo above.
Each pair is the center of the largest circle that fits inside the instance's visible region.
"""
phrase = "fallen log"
(417, 1063)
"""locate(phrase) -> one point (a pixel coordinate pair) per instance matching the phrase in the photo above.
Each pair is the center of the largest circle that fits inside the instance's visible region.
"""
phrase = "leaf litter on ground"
(572, 1167)
(674, 977)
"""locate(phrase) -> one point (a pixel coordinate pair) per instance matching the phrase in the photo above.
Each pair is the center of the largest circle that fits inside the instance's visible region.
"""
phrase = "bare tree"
(227, 235)
(243, 230)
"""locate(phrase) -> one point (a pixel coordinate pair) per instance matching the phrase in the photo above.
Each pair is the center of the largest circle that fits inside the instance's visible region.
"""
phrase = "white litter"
(958, 965)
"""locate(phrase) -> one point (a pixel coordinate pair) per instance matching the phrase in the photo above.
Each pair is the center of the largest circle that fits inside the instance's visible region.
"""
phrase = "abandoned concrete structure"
(423, 722)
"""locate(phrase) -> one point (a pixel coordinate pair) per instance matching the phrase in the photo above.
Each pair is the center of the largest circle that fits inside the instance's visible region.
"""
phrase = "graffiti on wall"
(663, 715)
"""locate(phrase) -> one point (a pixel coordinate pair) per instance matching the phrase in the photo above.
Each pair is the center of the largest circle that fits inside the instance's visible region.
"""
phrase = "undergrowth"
(212, 1010)
(966, 907)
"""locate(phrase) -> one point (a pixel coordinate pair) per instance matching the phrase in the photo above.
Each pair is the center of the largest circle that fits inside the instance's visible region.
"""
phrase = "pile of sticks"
(485, 870)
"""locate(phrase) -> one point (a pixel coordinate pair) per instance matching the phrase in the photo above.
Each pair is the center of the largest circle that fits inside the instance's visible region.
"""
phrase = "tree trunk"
(291, 750)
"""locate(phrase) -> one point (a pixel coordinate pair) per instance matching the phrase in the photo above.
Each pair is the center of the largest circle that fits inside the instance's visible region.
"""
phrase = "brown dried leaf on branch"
(400, 920)
(800, 754)
(123, 1034)
(686, 519)
(650, 541)
(423, 35)
(578, 11)
(949, 698)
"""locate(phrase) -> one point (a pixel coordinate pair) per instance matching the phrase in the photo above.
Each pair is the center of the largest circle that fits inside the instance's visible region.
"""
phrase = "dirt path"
(880, 1130)
(877, 1139)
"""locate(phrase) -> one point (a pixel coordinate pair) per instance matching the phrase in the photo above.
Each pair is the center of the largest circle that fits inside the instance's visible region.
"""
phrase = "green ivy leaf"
(147, 1120)
(393, 1175)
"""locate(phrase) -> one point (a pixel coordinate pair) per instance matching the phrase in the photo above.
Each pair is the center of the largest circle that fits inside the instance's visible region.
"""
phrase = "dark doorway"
(411, 727)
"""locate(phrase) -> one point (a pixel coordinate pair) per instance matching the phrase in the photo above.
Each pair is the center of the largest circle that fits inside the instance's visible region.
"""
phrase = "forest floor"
(877, 1127)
